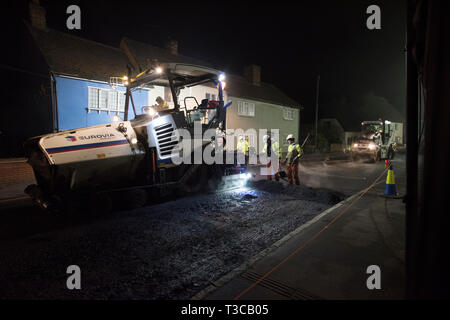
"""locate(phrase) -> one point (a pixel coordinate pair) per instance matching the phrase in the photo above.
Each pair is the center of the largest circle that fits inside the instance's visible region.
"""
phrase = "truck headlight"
(372, 146)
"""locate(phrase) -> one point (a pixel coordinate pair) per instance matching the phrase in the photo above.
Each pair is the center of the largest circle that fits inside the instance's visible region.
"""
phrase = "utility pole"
(317, 111)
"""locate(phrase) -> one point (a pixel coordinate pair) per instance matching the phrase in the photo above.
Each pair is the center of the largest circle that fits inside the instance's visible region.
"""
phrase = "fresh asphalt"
(332, 272)
(330, 257)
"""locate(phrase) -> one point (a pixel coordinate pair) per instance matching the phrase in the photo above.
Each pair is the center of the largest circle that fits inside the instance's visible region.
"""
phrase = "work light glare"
(152, 112)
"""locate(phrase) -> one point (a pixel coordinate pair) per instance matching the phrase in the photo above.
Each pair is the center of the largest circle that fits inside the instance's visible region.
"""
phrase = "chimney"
(253, 74)
(37, 15)
(172, 46)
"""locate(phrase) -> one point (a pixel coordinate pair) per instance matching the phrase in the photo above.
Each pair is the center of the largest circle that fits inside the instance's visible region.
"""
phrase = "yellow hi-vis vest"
(163, 105)
(294, 152)
(242, 146)
(276, 149)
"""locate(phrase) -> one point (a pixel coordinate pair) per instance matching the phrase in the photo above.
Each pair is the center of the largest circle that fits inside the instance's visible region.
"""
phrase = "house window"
(103, 99)
(93, 98)
(112, 101)
(121, 101)
(106, 100)
(288, 114)
(246, 109)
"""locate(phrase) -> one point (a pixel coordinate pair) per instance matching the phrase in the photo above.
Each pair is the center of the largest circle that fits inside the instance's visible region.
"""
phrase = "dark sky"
(293, 42)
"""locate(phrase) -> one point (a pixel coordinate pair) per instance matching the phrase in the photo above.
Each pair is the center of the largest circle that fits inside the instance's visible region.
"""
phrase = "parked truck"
(131, 160)
(376, 141)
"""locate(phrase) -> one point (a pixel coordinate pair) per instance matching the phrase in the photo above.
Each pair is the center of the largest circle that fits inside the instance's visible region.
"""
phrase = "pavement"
(328, 257)
(14, 190)
(15, 176)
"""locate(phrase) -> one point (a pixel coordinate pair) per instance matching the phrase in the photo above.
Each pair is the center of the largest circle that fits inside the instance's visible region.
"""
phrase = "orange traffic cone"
(390, 189)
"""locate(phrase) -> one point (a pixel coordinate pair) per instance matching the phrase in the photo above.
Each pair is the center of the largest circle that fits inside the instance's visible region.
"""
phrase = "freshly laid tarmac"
(329, 257)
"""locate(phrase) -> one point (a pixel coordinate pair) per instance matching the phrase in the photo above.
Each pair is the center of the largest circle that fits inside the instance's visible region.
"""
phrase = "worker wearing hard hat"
(243, 147)
(269, 147)
(161, 104)
(295, 152)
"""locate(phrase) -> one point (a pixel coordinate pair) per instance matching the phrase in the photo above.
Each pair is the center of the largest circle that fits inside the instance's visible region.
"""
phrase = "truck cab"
(375, 141)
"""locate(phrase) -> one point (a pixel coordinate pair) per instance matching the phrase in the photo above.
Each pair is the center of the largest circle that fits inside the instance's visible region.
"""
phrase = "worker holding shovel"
(295, 151)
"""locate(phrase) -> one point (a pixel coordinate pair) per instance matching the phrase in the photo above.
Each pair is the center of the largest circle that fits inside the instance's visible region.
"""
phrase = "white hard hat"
(241, 137)
(291, 136)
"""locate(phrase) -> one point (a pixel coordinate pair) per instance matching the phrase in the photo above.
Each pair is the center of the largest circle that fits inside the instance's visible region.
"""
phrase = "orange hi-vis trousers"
(277, 175)
(292, 171)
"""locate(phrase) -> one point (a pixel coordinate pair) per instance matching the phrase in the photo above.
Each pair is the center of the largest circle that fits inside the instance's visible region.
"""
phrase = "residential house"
(259, 105)
(76, 74)
(338, 137)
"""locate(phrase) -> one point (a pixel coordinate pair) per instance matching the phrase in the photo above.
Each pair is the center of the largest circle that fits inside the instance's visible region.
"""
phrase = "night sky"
(293, 42)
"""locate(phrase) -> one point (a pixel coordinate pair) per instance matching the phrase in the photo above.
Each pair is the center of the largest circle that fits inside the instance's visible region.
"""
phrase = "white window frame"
(95, 102)
(246, 109)
(288, 114)
(93, 94)
(121, 101)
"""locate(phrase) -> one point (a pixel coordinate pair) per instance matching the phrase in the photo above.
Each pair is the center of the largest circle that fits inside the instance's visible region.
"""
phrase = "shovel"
(283, 173)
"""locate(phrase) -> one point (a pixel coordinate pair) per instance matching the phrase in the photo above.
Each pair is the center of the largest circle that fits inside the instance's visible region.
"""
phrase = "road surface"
(169, 250)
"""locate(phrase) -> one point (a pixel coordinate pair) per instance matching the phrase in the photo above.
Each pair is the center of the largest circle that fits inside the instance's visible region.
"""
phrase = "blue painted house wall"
(72, 102)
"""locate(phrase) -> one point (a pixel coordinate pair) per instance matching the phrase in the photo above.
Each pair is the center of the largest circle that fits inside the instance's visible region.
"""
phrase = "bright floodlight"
(387, 122)
(221, 77)
(152, 112)
(245, 176)
(134, 141)
(158, 69)
(371, 146)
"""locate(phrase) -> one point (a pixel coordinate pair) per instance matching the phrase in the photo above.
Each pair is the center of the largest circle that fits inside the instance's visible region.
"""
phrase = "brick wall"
(14, 171)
